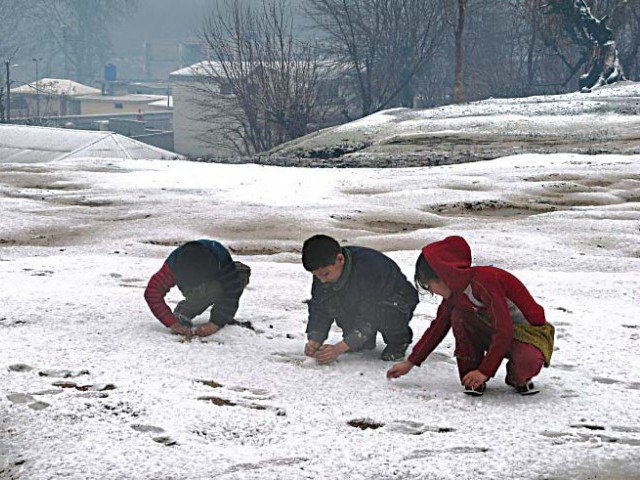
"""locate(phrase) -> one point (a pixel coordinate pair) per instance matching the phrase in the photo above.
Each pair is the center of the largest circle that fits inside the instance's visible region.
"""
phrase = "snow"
(56, 86)
(80, 238)
(27, 144)
(603, 121)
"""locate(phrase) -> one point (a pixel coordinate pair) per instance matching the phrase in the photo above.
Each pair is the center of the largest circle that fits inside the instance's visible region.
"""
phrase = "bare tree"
(590, 32)
(386, 43)
(261, 87)
(458, 88)
(79, 29)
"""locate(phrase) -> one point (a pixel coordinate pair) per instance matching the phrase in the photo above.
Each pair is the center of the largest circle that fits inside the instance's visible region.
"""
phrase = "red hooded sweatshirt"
(488, 290)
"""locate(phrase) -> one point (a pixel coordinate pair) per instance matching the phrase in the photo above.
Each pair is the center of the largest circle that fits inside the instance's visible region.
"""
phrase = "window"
(118, 106)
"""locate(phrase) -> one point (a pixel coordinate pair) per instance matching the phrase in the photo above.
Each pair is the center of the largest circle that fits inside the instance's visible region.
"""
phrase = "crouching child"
(207, 277)
(492, 314)
(364, 292)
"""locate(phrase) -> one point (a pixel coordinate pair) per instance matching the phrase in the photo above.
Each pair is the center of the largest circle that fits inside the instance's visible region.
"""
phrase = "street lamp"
(36, 60)
(8, 66)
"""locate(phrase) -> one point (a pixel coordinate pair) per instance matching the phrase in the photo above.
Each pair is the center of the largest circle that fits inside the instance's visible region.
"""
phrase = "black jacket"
(370, 282)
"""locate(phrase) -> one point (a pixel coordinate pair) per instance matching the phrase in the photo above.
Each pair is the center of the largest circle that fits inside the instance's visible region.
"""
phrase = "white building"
(49, 97)
(195, 119)
(191, 131)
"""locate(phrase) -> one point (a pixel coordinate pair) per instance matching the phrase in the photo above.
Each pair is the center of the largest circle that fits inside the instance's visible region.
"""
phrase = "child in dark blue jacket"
(364, 292)
(207, 276)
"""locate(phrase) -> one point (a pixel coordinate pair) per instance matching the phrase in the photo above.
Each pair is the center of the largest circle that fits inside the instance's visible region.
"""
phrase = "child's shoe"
(475, 392)
(183, 319)
(527, 389)
(394, 352)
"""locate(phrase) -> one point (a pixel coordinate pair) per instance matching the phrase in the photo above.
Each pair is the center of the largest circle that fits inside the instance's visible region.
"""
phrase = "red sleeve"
(501, 323)
(433, 335)
(159, 285)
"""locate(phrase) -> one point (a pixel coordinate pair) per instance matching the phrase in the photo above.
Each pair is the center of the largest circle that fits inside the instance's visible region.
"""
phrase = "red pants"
(473, 337)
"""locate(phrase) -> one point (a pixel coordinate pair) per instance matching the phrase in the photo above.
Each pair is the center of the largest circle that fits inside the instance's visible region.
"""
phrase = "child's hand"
(474, 379)
(399, 369)
(330, 353)
(207, 329)
(179, 329)
(311, 348)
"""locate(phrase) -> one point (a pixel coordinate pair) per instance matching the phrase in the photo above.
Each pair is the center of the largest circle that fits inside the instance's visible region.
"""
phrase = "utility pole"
(6, 64)
(37, 88)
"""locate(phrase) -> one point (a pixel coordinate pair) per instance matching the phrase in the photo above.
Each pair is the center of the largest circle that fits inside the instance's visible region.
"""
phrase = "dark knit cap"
(319, 251)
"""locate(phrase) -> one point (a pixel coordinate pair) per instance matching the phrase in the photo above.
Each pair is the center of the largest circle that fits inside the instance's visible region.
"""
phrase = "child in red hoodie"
(492, 315)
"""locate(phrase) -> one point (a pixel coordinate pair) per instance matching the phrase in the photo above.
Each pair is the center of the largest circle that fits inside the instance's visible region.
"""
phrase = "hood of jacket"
(451, 260)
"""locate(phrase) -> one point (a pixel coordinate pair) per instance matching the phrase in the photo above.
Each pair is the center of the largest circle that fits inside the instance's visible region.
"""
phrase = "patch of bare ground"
(251, 250)
(166, 242)
(366, 191)
(39, 181)
(50, 236)
(365, 424)
(489, 208)
(53, 197)
(385, 225)
(468, 187)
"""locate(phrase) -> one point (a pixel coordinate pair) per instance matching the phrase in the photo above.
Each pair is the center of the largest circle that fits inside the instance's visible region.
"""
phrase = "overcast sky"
(162, 21)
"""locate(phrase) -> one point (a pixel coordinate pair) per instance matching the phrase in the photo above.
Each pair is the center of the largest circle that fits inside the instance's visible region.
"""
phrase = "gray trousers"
(198, 299)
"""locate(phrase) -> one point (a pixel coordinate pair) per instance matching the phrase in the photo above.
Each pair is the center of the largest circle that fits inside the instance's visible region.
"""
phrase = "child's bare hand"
(311, 348)
(179, 329)
(207, 329)
(474, 379)
(399, 369)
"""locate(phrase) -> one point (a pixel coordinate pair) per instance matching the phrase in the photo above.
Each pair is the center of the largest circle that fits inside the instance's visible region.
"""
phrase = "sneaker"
(527, 389)
(392, 353)
(475, 392)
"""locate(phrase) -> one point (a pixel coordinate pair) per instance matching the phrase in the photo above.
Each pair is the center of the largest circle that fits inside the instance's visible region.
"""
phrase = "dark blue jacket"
(373, 281)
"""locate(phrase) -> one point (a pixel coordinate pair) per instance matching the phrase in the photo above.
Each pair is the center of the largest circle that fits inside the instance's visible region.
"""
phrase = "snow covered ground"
(79, 239)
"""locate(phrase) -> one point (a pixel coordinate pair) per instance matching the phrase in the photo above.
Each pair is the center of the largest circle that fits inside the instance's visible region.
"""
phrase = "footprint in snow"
(428, 452)
(223, 402)
(605, 380)
(275, 462)
(63, 373)
(146, 428)
(20, 367)
(293, 358)
(165, 440)
(565, 366)
(28, 400)
(416, 428)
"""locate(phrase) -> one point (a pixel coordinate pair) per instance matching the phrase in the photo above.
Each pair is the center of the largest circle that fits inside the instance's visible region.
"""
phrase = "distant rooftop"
(131, 97)
(163, 102)
(56, 86)
(26, 144)
(211, 68)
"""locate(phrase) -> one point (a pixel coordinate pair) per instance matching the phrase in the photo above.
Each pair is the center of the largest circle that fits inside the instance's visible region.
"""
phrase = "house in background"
(49, 97)
(196, 118)
(191, 132)
(131, 103)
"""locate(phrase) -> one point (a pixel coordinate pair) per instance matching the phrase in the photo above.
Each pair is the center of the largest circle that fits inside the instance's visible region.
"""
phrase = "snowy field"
(605, 121)
(80, 238)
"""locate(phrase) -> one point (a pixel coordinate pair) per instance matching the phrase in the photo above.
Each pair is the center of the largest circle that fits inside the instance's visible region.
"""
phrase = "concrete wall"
(193, 136)
(100, 107)
(162, 140)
